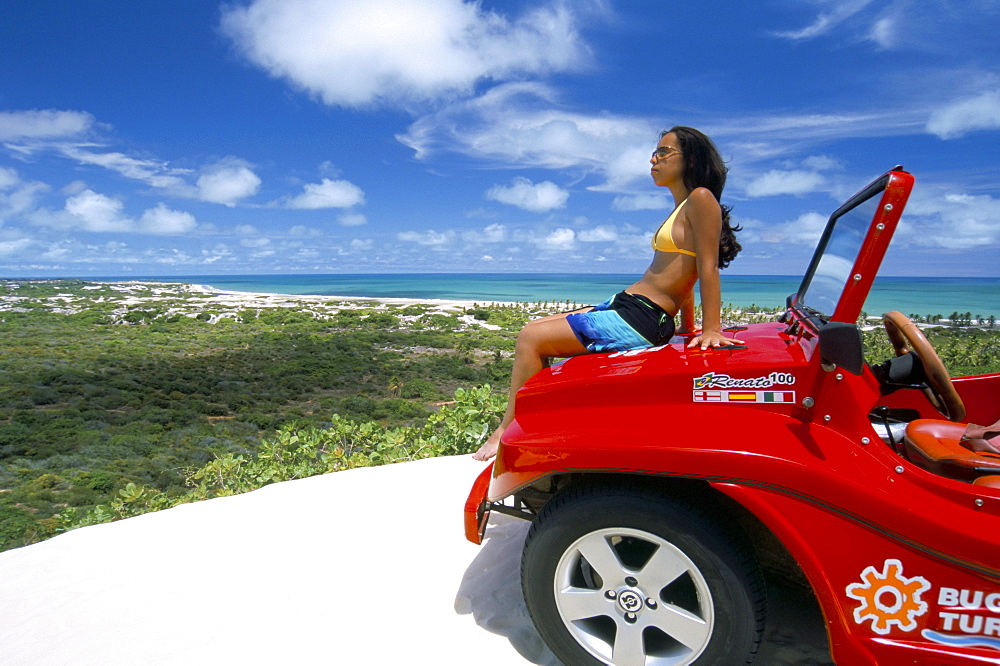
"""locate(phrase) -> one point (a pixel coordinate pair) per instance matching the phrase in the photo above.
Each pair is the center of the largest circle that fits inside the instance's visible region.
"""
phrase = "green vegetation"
(117, 399)
(296, 452)
(103, 386)
(964, 351)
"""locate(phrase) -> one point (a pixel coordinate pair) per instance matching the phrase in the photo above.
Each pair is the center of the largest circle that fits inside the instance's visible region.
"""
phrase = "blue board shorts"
(622, 323)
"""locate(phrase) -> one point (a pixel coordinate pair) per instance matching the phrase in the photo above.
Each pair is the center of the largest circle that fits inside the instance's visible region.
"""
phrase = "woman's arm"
(687, 314)
(704, 215)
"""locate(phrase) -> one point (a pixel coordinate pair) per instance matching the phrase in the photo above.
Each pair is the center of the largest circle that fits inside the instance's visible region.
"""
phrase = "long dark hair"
(703, 167)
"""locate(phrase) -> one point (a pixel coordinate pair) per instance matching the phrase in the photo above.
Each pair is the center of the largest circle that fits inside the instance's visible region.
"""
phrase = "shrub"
(100, 481)
(296, 452)
(16, 526)
(419, 387)
(482, 314)
(381, 320)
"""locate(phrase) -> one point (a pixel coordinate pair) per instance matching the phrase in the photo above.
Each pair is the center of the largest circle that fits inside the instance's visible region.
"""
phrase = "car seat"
(936, 446)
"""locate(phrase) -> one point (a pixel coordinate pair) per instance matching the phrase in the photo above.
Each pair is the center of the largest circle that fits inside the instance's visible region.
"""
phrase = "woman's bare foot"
(489, 447)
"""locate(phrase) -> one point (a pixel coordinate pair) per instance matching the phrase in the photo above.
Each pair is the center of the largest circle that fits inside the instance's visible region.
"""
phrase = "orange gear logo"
(888, 598)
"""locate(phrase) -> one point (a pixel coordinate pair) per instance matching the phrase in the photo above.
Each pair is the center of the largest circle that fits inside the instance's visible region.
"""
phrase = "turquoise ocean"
(910, 295)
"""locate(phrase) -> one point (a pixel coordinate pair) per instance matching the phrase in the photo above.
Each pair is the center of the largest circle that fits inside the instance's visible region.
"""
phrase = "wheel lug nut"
(610, 594)
(651, 603)
(630, 617)
(631, 582)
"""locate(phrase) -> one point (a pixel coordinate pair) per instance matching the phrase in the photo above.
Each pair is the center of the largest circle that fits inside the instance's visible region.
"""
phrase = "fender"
(832, 548)
(810, 462)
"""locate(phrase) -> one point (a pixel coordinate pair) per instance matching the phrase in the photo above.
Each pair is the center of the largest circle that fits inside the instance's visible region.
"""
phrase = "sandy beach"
(195, 299)
(368, 566)
(262, 299)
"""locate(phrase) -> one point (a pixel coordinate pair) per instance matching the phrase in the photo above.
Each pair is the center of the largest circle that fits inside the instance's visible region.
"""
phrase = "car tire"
(616, 575)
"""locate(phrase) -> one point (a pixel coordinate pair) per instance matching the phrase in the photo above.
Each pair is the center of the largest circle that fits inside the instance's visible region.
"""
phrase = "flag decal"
(744, 396)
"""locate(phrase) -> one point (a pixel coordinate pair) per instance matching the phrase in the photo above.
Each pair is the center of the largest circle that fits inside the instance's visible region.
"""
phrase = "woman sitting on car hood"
(690, 246)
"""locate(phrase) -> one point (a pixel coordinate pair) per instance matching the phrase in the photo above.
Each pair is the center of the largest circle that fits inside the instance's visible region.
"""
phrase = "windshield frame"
(874, 235)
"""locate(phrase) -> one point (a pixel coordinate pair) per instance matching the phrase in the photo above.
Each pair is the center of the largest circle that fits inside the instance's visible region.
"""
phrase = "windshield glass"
(830, 269)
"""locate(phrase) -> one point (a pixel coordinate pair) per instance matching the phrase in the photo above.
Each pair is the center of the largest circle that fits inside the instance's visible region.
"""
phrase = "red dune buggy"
(660, 481)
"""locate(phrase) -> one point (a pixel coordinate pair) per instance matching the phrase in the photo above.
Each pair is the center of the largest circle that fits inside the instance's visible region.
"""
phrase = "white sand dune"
(366, 566)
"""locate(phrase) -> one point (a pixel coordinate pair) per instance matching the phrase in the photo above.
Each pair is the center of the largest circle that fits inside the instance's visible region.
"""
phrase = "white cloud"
(328, 194)
(523, 124)
(841, 11)
(885, 32)
(156, 174)
(213, 255)
(356, 53)
(14, 245)
(560, 239)
(43, 124)
(307, 254)
(493, 233)
(598, 235)
(17, 196)
(534, 197)
(822, 163)
(952, 220)
(56, 253)
(227, 182)
(526, 125)
(805, 229)
(97, 212)
(8, 178)
(352, 220)
(928, 25)
(166, 222)
(776, 182)
(302, 231)
(517, 243)
(429, 237)
(959, 118)
(770, 135)
(72, 188)
(641, 202)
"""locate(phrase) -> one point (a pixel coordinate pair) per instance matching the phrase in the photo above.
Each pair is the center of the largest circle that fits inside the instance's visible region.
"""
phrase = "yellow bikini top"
(665, 242)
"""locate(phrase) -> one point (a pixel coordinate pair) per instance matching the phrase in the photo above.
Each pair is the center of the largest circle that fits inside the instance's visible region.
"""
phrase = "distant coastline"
(911, 295)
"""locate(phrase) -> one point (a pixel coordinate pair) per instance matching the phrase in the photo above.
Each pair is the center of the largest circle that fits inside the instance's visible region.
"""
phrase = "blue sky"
(356, 136)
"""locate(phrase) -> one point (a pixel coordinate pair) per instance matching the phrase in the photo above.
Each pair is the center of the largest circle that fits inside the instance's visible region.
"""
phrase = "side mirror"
(840, 344)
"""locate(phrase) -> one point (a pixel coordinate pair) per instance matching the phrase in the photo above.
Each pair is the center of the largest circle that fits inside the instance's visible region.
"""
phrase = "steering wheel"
(906, 336)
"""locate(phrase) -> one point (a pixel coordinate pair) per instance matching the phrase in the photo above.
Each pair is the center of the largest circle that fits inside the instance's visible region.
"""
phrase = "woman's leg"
(540, 339)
